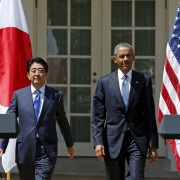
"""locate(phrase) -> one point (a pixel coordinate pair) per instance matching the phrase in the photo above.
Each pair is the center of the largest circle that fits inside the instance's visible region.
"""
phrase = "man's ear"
(114, 59)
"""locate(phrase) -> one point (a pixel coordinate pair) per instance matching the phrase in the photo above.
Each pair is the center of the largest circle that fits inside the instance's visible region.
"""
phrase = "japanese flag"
(15, 50)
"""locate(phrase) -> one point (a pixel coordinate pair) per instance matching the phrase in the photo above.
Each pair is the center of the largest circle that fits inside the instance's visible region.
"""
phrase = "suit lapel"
(47, 102)
(29, 100)
(134, 85)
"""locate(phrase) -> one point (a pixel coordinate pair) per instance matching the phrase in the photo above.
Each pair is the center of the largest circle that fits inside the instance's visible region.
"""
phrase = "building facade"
(77, 38)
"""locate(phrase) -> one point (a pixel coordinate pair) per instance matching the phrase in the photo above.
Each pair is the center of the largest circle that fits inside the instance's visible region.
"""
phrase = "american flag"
(169, 102)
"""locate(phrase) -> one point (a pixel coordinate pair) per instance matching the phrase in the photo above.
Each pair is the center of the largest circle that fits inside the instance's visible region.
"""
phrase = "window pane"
(56, 42)
(121, 13)
(80, 42)
(145, 42)
(80, 71)
(146, 66)
(80, 127)
(57, 12)
(145, 9)
(118, 36)
(80, 100)
(81, 12)
(57, 71)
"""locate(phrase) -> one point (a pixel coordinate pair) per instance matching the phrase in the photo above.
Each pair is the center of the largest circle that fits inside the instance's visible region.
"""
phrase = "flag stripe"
(169, 104)
(15, 50)
(172, 144)
(160, 115)
(172, 60)
(172, 76)
(163, 107)
(8, 10)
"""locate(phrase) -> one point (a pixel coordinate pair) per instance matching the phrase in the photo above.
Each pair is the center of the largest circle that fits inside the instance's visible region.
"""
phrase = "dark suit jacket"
(110, 117)
(52, 112)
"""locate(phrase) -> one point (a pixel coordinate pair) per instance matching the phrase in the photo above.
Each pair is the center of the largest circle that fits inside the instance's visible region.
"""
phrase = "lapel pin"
(137, 82)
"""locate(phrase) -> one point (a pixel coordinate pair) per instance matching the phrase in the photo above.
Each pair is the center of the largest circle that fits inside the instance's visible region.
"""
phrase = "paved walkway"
(84, 168)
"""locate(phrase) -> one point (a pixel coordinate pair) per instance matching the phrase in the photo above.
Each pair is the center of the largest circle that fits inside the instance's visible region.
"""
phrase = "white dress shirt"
(120, 78)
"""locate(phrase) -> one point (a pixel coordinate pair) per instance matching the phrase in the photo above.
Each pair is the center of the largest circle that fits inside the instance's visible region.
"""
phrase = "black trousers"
(115, 168)
(42, 168)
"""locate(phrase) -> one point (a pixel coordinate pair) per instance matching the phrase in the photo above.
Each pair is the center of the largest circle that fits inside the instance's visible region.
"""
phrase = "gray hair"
(123, 45)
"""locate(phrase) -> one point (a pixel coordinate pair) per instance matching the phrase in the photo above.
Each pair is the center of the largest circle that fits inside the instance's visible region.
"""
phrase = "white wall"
(172, 7)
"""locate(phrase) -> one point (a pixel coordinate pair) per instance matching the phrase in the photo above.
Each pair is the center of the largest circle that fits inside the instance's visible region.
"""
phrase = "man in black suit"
(36, 146)
(123, 122)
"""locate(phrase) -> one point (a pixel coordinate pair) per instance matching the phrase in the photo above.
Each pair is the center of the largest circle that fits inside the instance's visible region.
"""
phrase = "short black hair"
(37, 60)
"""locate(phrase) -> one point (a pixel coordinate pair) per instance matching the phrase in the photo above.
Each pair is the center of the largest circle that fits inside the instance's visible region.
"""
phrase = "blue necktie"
(37, 103)
(125, 90)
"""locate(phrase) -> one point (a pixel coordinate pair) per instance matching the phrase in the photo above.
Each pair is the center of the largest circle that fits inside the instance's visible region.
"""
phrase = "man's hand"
(70, 152)
(1, 152)
(153, 155)
(100, 152)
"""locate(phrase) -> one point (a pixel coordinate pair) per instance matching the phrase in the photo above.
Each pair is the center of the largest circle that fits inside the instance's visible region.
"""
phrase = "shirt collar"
(42, 89)
(121, 74)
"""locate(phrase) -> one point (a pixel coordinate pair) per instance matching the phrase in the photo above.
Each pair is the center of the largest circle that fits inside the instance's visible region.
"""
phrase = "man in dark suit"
(123, 122)
(36, 147)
